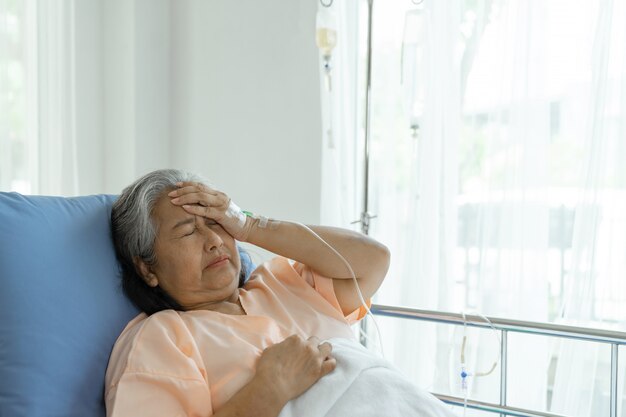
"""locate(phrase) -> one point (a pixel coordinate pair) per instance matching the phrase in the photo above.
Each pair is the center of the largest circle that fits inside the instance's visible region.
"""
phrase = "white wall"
(245, 101)
(229, 90)
(88, 60)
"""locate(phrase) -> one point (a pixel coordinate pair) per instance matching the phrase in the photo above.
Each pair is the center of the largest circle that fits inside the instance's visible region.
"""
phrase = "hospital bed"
(61, 309)
(614, 339)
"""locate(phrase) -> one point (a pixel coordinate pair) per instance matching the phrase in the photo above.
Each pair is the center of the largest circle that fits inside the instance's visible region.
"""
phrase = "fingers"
(328, 366)
(197, 210)
(296, 364)
(188, 187)
(323, 352)
(201, 198)
(197, 198)
(325, 349)
(196, 193)
(313, 340)
(329, 363)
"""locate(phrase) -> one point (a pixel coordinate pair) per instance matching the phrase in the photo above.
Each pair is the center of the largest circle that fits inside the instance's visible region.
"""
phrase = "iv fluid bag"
(326, 31)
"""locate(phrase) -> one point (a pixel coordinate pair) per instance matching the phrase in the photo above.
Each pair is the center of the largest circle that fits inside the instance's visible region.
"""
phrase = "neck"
(231, 305)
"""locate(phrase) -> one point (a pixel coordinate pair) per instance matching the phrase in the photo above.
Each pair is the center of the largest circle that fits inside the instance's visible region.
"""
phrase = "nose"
(212, 239)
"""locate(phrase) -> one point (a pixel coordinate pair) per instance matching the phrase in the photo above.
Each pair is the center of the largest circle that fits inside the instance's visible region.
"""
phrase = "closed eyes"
(207, 222)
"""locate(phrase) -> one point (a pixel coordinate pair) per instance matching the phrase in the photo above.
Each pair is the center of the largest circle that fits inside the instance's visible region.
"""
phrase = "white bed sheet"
(364, 385)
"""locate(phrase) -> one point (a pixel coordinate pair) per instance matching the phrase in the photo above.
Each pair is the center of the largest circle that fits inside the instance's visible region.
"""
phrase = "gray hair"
(134, 234)
(131, 213)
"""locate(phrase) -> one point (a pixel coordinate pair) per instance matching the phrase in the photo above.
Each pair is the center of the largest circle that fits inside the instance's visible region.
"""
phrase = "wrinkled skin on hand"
(294, 365)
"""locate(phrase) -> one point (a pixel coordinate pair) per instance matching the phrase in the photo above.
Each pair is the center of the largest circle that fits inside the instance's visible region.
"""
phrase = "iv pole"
(366, 216)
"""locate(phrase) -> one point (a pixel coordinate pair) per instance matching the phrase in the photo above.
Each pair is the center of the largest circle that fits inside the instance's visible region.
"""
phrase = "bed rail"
(504, 326)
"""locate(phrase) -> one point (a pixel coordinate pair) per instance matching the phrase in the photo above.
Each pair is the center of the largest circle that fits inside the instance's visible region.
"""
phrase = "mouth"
(219, 261)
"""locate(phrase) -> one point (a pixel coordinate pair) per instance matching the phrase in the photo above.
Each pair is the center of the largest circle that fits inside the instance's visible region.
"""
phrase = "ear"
(146, 272)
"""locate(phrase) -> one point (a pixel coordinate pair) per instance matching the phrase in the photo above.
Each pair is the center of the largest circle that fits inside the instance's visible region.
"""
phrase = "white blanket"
(363, 385)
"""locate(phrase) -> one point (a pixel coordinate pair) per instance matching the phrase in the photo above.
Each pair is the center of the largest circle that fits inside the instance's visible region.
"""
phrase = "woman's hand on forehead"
(192, 187)
(201, 200)
(198, 194)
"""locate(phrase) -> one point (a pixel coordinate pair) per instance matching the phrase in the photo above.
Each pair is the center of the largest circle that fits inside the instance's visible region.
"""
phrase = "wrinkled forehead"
(166, 215)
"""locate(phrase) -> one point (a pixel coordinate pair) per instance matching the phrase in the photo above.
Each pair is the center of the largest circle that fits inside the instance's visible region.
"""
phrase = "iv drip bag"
(326, 32)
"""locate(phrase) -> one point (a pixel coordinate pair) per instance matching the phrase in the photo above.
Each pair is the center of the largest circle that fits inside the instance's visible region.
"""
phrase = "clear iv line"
(356, 284)
(464, 373)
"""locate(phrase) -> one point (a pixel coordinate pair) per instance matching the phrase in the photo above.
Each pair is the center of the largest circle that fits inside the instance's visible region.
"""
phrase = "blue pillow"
(61, 304)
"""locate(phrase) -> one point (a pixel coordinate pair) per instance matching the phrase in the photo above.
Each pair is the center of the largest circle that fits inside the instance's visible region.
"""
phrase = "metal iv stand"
(366, 216)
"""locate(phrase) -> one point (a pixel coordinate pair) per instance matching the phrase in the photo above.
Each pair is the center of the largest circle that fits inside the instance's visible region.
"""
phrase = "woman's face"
(197, 261)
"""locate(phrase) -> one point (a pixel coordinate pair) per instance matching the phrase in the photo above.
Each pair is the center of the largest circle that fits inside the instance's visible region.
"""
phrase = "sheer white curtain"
(39, 135)
(84, 87)
(498, 179)
(595, 288)
(17, 71)
(414, 179)
(56, 98)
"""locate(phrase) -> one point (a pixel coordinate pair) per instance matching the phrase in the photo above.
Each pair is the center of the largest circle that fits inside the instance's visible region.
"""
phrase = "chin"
(226, 280)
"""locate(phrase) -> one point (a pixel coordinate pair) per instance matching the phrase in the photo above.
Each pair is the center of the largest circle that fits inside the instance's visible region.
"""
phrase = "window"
(498, 179)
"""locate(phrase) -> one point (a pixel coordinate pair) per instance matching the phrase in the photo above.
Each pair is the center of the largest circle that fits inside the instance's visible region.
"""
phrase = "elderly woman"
(208, 344)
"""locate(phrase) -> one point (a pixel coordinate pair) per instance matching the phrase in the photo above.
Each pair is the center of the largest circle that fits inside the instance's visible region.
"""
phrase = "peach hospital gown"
(190, 363)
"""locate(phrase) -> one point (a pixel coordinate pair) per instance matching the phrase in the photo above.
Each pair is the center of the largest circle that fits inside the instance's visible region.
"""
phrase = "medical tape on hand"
(264, 222)
(233, 212)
